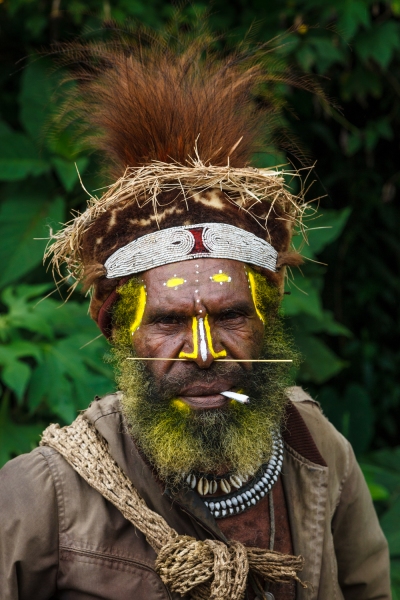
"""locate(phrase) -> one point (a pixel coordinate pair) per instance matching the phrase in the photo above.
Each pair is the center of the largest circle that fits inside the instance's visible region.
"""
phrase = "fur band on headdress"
(178, 130)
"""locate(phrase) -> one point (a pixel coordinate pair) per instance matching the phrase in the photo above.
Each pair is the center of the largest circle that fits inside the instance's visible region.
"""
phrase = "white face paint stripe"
(203, 343)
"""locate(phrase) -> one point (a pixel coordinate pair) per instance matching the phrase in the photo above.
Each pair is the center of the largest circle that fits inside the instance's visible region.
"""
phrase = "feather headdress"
(177, 125)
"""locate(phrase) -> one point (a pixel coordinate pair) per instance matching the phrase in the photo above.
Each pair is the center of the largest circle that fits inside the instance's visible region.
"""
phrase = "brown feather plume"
(141, 99)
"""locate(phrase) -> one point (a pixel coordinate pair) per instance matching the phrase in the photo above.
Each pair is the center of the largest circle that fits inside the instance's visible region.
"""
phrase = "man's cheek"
(246, 341)
(157, 344)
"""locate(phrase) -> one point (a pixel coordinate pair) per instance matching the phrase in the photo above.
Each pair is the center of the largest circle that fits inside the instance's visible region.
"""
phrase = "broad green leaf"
(19, 158)
(35, 98)
(395, 6)
(320, 363)
(64, 393)
(55, 388)
(322, 230)
(5, 129)
(304, 298)
(326, 324)
(16, 376)
(352, 413)
(23, 292)
(70, 375)
(22, 219)
(17, 349)
(375, 131)
(327, 52)
(66, 144)
(266, 160)
(67, 170)
(23, 313)
(377, 491)
(352, 15)
(306, 57)
(16, 438)
(379, 43)
(68, 318)
(383, 468)
(36, 24)
(395, 573)
(354, 143)
(359, 83)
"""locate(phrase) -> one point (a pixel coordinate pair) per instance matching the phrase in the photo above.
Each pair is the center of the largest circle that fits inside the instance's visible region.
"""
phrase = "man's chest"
(265, 525)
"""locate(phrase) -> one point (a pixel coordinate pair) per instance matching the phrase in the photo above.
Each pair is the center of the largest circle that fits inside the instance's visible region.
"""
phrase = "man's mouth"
(202, 396)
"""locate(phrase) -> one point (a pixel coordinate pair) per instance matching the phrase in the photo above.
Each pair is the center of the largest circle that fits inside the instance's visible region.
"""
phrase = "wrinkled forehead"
(204, 272)
(207, 280)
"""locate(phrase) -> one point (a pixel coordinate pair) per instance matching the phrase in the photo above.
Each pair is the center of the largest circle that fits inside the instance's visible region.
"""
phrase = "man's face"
(202, 311)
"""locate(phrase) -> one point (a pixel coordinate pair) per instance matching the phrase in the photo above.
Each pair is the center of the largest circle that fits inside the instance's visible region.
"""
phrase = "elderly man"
(206, 475)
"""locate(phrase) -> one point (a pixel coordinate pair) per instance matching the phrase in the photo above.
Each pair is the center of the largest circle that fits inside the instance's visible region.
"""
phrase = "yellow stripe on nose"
(210, 342)
(195, 352)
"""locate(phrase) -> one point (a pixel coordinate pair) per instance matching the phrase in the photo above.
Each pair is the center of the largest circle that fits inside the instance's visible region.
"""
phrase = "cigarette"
(238, 397)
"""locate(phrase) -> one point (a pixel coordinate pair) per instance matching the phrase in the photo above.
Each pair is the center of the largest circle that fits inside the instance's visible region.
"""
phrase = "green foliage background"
(343, 304)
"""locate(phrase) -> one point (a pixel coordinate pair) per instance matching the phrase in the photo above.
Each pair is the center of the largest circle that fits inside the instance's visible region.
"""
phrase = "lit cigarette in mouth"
(235, 396)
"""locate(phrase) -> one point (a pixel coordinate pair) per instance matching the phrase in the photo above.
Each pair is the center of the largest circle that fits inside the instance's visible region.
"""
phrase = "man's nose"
(202, 351)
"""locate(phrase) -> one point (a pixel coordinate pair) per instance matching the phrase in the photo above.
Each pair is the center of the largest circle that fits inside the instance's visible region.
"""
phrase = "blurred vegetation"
(343, 307)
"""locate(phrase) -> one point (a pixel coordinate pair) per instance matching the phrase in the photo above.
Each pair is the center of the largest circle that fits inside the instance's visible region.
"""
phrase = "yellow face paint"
(209, 340)
(175, 281)
(195, 352)
(180, 405)
(204, 325)
(253, 293)
(141, 305)
(221, 278)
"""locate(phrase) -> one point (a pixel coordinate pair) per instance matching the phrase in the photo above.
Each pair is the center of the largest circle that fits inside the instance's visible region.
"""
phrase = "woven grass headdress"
(177, 126)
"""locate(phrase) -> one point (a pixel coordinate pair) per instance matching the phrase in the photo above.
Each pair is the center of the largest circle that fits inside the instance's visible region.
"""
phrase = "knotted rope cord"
(207, 570)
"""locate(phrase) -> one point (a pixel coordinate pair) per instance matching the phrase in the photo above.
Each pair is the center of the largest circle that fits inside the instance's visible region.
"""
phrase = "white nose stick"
(235, 396)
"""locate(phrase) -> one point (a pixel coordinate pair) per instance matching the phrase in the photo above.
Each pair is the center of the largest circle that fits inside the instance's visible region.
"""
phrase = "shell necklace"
(243, 496)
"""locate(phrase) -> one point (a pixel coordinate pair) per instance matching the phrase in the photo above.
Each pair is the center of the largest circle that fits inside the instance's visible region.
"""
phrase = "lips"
(204, 396)
(203, 389)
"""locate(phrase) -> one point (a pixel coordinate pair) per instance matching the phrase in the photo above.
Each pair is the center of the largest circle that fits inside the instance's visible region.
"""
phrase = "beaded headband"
(175, 244)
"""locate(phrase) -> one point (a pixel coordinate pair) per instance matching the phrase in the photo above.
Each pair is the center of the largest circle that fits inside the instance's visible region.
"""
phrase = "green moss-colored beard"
(177, 439)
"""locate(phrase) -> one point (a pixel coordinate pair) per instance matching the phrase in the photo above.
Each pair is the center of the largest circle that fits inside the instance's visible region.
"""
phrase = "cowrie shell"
(191, 480)
(203, 486)
(236, 481)
(212, 487)
(225, 487)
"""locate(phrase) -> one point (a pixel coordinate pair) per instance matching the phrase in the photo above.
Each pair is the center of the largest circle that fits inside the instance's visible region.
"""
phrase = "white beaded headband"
(206, 240)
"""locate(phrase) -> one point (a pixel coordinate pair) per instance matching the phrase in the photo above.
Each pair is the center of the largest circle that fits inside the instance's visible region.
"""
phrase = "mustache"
(171, 384)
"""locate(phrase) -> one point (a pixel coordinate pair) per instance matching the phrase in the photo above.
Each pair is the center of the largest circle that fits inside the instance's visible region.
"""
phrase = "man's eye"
(170, 320)
(230, 315)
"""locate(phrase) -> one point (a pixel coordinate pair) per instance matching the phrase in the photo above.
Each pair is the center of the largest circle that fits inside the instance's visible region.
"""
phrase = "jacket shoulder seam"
(297, 395)
(113, 411)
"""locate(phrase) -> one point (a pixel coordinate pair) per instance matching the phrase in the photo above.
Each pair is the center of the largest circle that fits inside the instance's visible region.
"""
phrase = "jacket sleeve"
(361, 548)
(28, 529)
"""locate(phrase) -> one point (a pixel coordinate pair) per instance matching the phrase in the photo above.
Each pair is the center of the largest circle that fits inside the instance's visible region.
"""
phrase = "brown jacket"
(59, 538)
